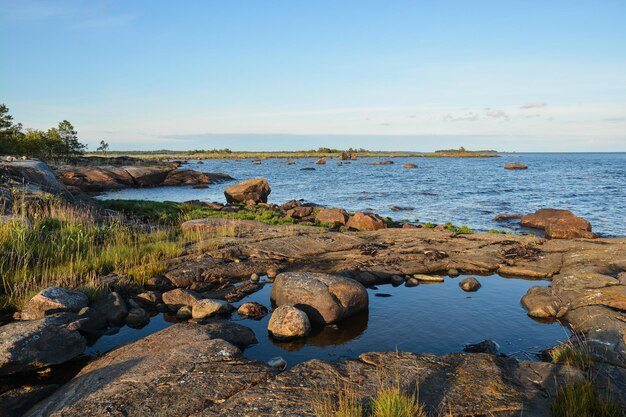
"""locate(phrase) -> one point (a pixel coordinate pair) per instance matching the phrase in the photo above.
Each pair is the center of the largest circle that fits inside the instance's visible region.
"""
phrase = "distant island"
(313, 153)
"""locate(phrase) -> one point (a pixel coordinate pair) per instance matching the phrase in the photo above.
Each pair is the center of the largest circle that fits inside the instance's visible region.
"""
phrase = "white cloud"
(466, 117)
(497, 114)
(534, 105)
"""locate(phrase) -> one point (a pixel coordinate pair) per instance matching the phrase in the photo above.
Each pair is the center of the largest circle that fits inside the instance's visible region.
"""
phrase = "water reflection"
(333, 334)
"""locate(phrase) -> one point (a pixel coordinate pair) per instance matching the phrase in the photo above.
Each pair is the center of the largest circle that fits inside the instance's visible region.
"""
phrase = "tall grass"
(580, 398)
(59, 244)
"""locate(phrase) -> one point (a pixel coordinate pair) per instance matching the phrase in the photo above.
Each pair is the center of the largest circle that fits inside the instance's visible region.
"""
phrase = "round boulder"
(287, 322)
(54, 300)
(325, 298)
(256, 190)
(469, 284)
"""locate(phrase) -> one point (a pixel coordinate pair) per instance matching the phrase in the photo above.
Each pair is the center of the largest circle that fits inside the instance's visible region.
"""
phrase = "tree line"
(56, 143)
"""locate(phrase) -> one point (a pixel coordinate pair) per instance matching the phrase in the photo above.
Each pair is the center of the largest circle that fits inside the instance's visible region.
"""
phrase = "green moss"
(429, 225)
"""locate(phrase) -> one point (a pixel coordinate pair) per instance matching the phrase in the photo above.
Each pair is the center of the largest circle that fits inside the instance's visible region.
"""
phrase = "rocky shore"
(198, 367)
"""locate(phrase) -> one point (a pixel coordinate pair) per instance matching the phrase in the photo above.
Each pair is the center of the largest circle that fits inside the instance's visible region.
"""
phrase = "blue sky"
(262, 75)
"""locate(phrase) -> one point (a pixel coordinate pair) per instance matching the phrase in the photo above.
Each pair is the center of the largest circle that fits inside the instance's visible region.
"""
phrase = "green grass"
(171, 213)
(463, 230)
(573, 355)
(392, 401)
(69, 246)
(429, 225)
(578, 399)
(344, 404)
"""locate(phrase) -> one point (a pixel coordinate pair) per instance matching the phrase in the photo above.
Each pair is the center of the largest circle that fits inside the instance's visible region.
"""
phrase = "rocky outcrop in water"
(324, 298)
(558, 224)
(104, 178)
(515, 166)
(252, 191)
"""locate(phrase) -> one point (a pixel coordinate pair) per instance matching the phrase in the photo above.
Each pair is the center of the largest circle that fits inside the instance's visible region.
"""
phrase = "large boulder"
(179, 297)
(34, 172)
(255, 190)
(207, 308)
(186, 177)
(334, 216)
(179, 371)
(111, 306)
(34, 344)
(288, 322)
(366, 221)
(95, 179)
(559, 224)
(54, 300)
(324, 298)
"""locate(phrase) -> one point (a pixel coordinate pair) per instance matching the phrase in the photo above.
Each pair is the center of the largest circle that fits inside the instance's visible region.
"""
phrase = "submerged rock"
(486, 346)
(178, 371)
(255, 190)
(252, 310)
(325, 298)
(409, 166)
(54, 300)
(469, 284)
(288, 322)
(558, 224)
(33, 344)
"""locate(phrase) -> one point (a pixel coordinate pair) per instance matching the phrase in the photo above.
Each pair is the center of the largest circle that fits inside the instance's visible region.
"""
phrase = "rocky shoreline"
(198, 366)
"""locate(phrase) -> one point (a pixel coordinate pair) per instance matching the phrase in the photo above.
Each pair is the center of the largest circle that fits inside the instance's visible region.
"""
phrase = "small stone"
(486, 346)
(428, 278)
(453, 272)
(411, 282)
(254, 278)
(208, 307)
(150, 297)
(470, 284)
(278, 363)
(252, 310)
(397, 280)
(184, 313)
(271, 273)
(137, 317)
(287, 322)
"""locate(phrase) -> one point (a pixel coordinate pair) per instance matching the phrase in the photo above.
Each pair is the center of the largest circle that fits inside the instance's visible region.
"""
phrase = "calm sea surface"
(463, 191)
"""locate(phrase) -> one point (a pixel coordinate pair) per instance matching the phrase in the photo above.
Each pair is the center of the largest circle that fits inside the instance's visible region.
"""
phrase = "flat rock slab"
(465, 385)
(33, 344)
(175, 372)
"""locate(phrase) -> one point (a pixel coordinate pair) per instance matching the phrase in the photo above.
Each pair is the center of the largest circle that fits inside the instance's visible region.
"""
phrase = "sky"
(289, 75)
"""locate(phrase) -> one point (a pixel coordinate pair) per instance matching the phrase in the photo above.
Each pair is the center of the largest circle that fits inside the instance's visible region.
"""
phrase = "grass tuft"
(392, 401)
(577, 399)
(344, 404)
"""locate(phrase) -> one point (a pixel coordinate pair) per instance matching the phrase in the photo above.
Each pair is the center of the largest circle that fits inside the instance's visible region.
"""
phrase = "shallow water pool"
(438, 318)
